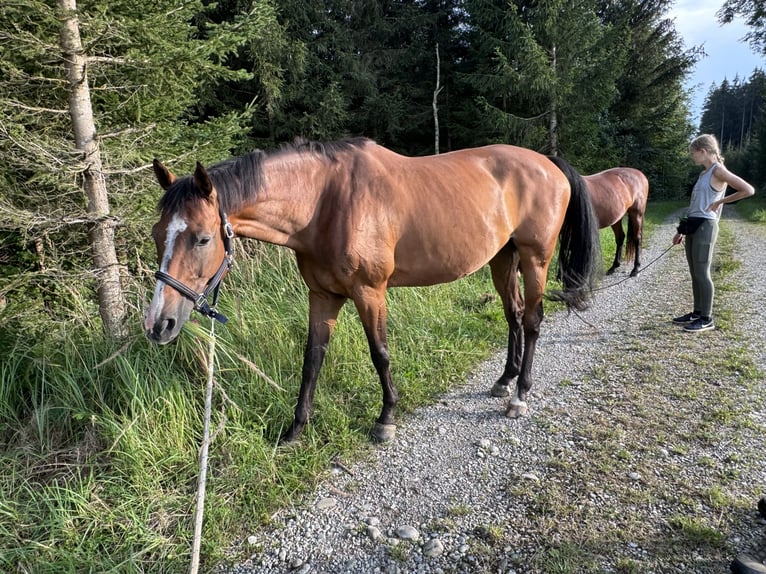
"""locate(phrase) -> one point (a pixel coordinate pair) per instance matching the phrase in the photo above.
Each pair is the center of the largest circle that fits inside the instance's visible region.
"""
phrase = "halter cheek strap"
(213, 286)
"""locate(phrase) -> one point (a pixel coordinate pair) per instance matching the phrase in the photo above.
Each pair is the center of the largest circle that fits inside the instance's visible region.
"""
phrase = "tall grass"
(98, 460)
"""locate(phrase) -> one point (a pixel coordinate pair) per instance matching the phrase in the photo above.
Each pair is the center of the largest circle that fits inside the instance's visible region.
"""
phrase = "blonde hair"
(708, 143)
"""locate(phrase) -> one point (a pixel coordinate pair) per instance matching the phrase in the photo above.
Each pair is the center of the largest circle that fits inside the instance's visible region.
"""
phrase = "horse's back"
(475, 180)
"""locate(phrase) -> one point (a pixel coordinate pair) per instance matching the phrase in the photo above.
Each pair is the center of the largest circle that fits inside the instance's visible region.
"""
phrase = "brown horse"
(362, 218)
(614, 193)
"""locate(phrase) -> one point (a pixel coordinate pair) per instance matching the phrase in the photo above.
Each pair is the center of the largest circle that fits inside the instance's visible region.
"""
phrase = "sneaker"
(688, 318)
(699, 324)
(750, 563)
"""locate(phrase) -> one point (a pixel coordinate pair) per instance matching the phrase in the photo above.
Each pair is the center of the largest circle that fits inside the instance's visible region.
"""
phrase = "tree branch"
(119, 133)
(17, 104)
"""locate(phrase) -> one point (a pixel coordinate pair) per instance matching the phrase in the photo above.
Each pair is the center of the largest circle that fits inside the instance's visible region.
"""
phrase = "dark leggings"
(699, 256)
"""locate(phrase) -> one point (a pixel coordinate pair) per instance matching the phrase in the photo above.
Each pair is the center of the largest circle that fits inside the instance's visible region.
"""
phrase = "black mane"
(238, 180)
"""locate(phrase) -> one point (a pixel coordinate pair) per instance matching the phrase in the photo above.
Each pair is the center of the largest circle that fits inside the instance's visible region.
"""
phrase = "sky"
(727, 54)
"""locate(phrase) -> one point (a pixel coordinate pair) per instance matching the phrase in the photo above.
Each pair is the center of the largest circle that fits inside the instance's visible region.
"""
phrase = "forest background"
(94, 423)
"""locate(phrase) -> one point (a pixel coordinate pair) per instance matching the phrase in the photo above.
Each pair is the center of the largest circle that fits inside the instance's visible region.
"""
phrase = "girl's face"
(698, 156)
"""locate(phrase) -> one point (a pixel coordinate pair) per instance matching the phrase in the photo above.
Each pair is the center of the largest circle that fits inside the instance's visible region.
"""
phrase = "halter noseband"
(213, 286)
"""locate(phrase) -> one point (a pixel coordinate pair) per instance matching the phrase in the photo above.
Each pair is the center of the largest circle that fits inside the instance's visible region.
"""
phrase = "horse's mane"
(328, 150)
(239, 179)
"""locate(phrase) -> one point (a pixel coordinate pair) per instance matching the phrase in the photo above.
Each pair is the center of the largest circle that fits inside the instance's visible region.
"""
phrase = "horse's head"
(192, 239)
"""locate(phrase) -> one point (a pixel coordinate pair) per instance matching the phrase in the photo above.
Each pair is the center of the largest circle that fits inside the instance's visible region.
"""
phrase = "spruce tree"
(648, 125)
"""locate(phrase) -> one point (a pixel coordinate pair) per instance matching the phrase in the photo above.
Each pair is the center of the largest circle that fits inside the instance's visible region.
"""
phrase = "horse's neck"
(286, 203)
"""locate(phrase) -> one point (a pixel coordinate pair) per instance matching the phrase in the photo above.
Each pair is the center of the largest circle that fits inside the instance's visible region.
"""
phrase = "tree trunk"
(553, 120)
(435, 105)
(107, 268)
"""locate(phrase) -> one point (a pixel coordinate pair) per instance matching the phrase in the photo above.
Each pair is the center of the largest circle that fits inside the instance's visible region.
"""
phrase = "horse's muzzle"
(162, 331)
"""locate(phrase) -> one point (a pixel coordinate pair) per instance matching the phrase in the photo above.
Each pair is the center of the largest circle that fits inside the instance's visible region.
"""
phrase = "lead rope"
(628, 278)
(202, 480)
(602, 288)
(213, 313)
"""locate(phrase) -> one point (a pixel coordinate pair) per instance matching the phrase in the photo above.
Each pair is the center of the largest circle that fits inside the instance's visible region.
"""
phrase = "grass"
(98, 459)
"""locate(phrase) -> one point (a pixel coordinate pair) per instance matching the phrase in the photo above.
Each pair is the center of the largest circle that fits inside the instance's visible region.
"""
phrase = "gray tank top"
(704, 194)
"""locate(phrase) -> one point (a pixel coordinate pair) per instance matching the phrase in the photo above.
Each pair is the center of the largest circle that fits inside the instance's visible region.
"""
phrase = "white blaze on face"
(175, 228)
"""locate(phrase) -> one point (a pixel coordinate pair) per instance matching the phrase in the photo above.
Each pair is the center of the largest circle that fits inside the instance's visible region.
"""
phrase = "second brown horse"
(616, 192)
(361, 219)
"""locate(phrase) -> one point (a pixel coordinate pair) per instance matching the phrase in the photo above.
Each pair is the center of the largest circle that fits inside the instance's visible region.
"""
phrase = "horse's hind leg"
(371, 304)
(635, 238)
(535, 274)
(504, 267)
(619, 239)
(323, 313)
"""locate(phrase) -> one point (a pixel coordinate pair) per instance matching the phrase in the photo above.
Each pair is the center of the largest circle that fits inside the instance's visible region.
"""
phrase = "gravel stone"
(433, 548)
(408, 533)
(326, 503)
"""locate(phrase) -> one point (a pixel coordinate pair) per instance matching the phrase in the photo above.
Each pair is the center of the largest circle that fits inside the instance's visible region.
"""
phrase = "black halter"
(213, 286)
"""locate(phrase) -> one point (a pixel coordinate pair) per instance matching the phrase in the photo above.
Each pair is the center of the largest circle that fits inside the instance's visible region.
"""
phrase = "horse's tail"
(579, 244)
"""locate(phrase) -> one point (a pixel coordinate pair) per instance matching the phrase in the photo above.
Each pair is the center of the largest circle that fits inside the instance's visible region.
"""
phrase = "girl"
(700, 227)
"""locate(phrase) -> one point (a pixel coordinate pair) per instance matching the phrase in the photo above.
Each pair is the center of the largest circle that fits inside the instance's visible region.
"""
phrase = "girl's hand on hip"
(714, 206)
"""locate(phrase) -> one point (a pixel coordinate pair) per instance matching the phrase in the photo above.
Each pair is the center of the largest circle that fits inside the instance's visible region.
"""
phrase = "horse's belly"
(444, 249)
(412, 270)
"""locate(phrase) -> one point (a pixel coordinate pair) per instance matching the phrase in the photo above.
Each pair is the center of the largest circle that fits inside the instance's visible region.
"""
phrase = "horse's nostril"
(159, 328)
(162, 330)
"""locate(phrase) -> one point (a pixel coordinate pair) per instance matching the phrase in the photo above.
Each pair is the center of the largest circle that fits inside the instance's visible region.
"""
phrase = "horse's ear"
(163, 174)
(202, 179)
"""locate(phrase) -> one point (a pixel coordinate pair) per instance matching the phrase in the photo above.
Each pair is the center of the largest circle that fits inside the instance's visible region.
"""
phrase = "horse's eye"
(203, 240)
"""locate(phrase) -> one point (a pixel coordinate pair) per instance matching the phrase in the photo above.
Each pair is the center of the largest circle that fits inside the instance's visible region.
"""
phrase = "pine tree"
(734, 113)
(749, 163)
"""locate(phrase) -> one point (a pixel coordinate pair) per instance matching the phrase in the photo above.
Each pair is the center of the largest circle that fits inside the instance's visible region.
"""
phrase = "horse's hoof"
(289, 439)
(516, 409)
(634, 272)
(499, 390)
(383, 433)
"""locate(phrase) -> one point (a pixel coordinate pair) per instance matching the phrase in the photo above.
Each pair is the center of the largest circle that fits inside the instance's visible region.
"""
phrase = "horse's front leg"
(323, 314)
(505, 278)
(371, 304)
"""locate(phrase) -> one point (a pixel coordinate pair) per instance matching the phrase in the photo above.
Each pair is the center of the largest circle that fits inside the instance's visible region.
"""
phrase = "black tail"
(579, 244)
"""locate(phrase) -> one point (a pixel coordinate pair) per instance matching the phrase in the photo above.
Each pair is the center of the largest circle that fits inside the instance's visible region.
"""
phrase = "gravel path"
(464, 489)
